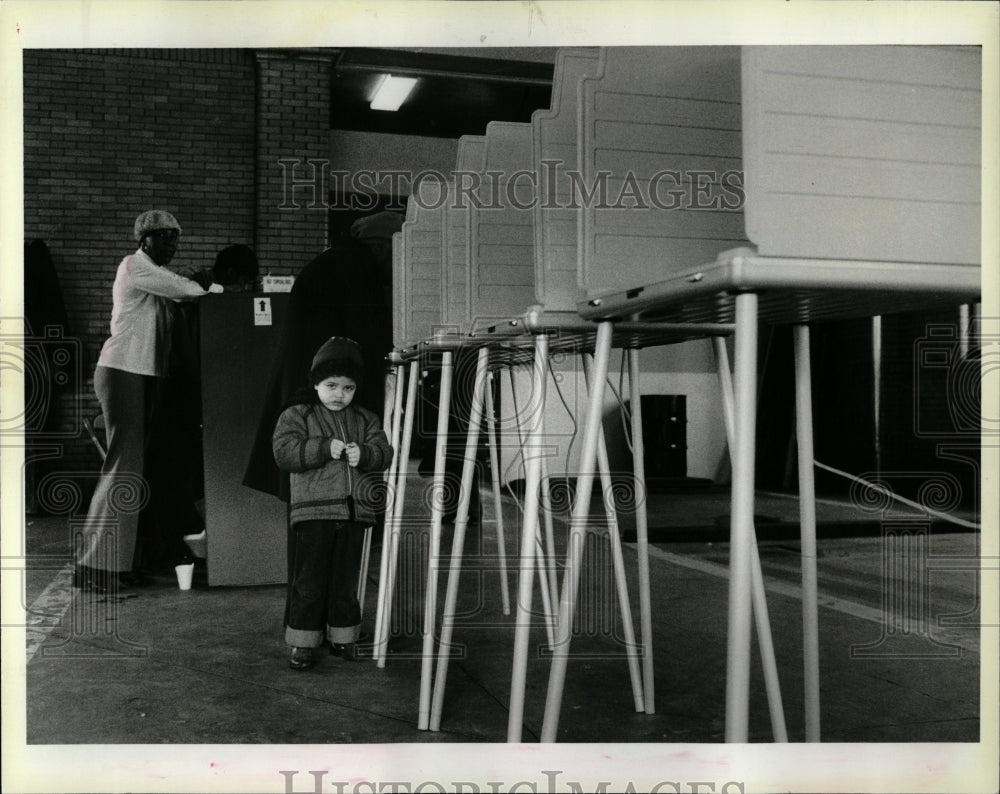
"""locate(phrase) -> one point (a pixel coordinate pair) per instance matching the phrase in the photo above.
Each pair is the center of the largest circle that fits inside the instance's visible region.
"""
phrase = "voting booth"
(679, 196)
(861, 197)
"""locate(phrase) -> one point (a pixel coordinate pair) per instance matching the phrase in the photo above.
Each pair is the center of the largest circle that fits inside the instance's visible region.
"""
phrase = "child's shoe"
(345, 650)
(301, 659)
(337, 648)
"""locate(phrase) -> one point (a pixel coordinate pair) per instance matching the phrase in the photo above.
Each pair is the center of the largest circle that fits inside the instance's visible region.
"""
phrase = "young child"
(334, 452)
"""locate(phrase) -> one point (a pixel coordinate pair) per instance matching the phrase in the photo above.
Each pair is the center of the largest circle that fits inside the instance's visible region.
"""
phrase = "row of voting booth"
(667, 195)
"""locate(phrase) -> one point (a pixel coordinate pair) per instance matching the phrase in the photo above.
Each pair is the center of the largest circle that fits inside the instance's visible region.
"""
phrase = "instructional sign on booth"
(262, 311)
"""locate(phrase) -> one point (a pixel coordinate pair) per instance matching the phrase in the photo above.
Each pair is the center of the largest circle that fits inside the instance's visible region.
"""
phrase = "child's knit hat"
(339, 348)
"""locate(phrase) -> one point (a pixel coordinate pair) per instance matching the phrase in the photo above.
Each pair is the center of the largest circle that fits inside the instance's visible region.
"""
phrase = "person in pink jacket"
(335, 453)
(131, 362)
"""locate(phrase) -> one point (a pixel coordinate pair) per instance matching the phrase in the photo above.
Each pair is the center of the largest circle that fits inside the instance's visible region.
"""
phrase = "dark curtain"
(174, 466)
(842, 402)
(51, 363)
(339, 293)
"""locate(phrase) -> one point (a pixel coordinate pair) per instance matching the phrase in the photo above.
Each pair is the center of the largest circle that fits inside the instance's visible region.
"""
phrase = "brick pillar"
(293, 155)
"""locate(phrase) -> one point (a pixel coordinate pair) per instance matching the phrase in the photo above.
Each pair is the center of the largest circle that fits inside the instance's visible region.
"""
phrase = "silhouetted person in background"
(50, 359)
(236, 268)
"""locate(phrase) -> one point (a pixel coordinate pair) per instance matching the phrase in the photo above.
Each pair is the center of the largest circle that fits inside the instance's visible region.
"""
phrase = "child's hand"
(353, 452)
(336, 448)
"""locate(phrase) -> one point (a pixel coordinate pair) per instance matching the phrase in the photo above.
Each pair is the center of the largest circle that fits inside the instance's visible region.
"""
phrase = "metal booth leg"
(391, 479)
(741, 522)
(760, 614)
(545, 549)
(389, 391)
(642, 533)
(807, 508)
(366, 550)
(437, 514)
(458, 539)
(633, 649)
(396, 503)
(577, 531)
(547, 568)
(491, 442)
(544, 570)
(529, 540)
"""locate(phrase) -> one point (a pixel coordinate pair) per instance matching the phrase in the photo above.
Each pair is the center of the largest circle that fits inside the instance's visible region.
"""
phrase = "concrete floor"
(158, 665)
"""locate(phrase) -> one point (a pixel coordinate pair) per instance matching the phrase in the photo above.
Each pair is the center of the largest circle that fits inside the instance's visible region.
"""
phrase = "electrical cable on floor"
(623, 411)
(882, 489)
(572, 418)
(520, 443)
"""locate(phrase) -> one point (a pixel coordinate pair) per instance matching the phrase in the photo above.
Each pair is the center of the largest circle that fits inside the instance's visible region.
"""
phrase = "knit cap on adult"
(151, 220)
(339, 348)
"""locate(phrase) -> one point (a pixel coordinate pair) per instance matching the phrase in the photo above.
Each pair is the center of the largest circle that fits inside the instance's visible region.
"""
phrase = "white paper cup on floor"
(185, 573)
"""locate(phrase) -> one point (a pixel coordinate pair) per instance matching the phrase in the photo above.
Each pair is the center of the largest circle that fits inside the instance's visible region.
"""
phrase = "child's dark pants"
(323, 594)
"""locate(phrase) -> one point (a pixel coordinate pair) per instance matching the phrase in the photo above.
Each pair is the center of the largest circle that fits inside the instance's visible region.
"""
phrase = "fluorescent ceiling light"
(392, 92)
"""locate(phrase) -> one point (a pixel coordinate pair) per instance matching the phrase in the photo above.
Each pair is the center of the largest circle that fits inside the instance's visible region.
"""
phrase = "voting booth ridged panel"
(890, 171)
(457, 233)
(554, 152)
(454, 264)
(420, 305)
(427, 240)
(501, 272)
(399, 298)
(660, 150)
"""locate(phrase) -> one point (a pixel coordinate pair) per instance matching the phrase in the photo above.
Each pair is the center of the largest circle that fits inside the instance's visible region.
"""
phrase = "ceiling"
(458, 91)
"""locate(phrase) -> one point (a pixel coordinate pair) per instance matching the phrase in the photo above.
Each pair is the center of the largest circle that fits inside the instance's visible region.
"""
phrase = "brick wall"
(293, 130)
(110, 133)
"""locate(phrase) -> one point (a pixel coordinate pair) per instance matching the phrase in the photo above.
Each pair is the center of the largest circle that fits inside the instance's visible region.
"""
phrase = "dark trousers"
(323, 588)
(173, 473)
